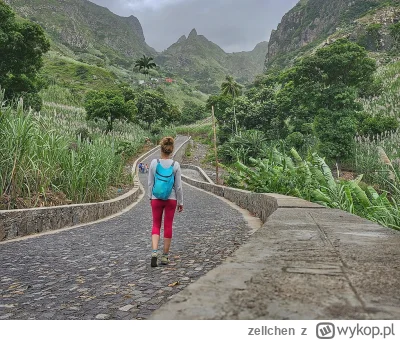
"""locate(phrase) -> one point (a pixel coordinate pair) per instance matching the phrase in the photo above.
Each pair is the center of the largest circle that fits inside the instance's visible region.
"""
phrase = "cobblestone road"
(103, 271)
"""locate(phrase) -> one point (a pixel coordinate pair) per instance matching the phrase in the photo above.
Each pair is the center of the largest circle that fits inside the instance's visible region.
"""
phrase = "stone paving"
(102, 271)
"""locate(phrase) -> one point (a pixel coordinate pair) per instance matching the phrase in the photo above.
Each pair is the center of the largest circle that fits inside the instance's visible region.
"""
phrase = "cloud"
(141, 5)
(235, 25)
(121, 6)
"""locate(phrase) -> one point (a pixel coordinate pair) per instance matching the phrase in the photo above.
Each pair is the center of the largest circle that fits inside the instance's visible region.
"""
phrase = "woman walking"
(165, 194)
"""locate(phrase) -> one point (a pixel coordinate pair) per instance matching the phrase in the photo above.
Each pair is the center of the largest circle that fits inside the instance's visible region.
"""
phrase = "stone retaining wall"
(178, 154)
(23, 222)
(261, 205)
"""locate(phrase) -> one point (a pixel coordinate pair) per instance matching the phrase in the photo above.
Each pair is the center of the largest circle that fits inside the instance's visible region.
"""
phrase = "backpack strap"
(158, 161)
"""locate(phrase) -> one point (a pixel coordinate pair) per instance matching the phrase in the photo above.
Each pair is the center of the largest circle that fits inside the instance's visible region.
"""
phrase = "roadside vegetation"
(53, 150)
(326, 130)
(55, 157)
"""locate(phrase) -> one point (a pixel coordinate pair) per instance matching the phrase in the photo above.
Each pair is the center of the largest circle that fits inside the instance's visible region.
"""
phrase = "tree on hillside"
(335, 125)
(22, 45)
(342, 63)
(262, 111)
(222, 108)
(232, 88)
(256, 110)
(145, 64)
(109, 105)
(152, 107)
(192, 112)
(325, 87)
(128, 92)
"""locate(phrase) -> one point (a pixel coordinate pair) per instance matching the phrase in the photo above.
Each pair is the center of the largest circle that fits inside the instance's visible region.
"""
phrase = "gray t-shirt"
(176, 193)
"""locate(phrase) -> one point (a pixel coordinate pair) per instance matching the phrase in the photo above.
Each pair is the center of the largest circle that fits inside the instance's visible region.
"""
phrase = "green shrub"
(32, 100)
(395, 34)
(126, 149)
(82, 72)
(374, 125)
(248, 144)
(295, 140)
(312, 180)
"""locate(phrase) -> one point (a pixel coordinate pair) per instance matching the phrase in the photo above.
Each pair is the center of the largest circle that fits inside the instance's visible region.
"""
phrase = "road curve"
(102, 271)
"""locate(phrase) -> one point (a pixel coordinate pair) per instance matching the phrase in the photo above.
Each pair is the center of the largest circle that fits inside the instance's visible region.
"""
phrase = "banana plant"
(312, 180)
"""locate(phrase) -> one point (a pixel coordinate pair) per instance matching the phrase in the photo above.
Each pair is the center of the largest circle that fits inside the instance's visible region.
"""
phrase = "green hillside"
(204, 64)
(92, 48)
(246, 65)
(313, 23)
(88, 30)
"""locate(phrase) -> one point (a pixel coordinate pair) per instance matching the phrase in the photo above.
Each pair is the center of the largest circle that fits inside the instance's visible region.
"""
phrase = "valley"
(286, 100)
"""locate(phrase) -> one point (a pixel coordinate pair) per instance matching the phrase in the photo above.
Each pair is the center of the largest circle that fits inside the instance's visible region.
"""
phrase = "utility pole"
(215, 147)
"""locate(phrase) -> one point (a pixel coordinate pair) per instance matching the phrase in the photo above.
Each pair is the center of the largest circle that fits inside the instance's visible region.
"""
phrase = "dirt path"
(198, 154)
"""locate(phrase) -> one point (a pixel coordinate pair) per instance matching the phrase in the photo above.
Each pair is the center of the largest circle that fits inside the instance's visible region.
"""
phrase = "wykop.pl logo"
(325, 330)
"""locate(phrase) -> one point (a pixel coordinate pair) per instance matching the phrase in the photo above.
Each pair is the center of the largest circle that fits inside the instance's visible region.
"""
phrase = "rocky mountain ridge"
(200, 61)
(84, 27)
(311, 22)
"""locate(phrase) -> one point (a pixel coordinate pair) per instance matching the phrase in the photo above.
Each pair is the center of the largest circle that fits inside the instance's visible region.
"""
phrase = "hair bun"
(167, 145)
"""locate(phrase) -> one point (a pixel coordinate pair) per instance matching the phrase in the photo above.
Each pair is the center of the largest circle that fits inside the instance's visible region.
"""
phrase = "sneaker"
(164, 259)
(154, 259)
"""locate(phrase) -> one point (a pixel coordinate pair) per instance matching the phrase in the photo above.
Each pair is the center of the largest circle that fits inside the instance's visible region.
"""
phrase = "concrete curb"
(199, 170)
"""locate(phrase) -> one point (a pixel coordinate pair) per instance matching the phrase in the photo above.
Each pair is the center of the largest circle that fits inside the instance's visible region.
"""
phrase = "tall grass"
(61, 113)
(60, 95)
(378, 158)
(388, 103)
(41, 152)
(69, 120)
(202, 129)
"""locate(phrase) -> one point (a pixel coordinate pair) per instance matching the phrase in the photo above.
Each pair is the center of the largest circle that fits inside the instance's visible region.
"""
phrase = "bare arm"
(178, 185)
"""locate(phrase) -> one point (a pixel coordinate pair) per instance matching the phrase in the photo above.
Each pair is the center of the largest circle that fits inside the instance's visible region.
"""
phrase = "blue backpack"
(164, 180)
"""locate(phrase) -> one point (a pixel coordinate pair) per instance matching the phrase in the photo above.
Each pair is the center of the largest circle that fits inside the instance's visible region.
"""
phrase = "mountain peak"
(182, 39)
(193, 33)
(261, 45)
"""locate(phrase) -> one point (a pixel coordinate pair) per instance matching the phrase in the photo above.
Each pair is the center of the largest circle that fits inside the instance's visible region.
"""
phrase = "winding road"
(102, 271)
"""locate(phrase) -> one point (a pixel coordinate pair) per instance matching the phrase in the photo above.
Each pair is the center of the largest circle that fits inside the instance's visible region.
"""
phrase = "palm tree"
(145, 64)
(232, 88)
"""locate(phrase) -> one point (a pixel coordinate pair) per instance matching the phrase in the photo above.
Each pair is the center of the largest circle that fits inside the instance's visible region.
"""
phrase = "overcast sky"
(235, 25)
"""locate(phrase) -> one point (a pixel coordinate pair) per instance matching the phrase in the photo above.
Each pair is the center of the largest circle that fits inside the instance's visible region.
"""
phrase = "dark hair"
(167, 145)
